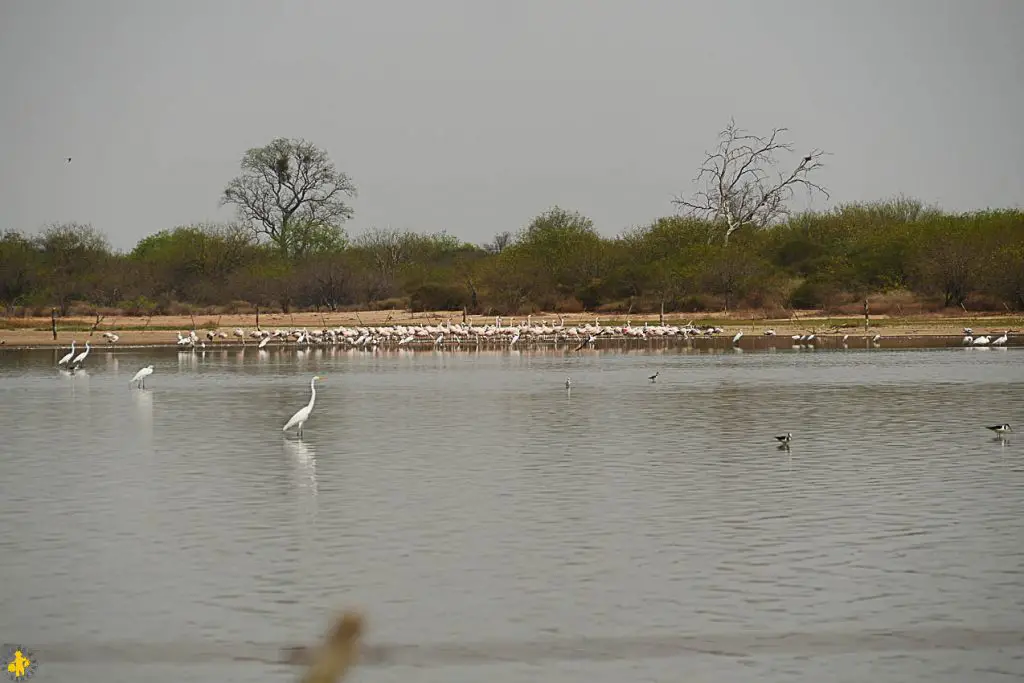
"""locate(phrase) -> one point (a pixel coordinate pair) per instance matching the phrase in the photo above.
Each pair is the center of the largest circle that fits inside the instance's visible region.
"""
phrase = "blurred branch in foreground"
(331, 661)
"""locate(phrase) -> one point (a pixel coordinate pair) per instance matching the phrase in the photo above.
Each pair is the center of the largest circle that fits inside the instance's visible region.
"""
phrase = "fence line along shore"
(454, 330)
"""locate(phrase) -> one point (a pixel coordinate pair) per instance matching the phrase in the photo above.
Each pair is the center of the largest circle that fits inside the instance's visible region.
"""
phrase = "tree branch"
(734, 178)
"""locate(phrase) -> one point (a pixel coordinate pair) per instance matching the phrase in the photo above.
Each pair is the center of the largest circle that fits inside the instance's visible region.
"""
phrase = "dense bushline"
(559, 262)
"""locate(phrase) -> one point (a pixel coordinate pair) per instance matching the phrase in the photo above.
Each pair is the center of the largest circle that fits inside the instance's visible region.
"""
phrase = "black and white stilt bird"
(654, 377)
(1001, 429)
(785, 438)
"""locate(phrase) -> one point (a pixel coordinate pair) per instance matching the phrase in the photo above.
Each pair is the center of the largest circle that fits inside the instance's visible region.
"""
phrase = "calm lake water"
(467, 498)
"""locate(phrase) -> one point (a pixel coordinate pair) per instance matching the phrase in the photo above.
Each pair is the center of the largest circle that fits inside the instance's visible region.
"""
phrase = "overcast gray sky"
(473, 116)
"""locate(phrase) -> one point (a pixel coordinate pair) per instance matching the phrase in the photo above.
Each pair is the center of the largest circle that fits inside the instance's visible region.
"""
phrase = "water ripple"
(466, 498)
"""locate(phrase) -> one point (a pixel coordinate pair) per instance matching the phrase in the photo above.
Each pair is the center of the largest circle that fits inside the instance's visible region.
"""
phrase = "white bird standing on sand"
(69, 356)
(80, 358)
(141, 376)
(300, 417)
(1001, 429)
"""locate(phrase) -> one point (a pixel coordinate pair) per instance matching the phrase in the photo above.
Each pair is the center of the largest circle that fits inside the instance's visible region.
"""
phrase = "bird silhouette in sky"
(69, 160)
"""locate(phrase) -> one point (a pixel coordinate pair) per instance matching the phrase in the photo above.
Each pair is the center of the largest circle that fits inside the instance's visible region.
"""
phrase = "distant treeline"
(559, 262)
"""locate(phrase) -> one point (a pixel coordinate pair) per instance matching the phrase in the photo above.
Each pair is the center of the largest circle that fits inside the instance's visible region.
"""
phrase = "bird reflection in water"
(142, 399)
(303, 458)
(75, 377)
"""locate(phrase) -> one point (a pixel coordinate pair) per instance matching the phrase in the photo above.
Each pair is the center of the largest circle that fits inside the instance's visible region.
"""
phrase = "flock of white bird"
(496, 334)
(983, 339)
(445, 333)
(458, 333)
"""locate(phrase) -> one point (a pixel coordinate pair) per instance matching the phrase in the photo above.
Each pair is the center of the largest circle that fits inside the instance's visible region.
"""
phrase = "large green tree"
(291, 193)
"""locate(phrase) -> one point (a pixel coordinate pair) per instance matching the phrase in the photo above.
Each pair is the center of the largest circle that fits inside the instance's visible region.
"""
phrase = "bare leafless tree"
(287, 182)
(740, 185)
(499, 243)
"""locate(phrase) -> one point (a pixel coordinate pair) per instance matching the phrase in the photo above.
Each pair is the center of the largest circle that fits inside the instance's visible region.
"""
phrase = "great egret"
(69, 356)
(80, 358)
(141, 376)
(300, 417)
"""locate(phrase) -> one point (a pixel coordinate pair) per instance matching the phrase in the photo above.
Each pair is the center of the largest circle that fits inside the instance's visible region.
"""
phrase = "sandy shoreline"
(162, 330)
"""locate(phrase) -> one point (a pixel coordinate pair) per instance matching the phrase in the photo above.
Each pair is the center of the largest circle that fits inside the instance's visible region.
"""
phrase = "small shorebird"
(785, 438)
(568, 383)
(654, 377)
(1001, 429)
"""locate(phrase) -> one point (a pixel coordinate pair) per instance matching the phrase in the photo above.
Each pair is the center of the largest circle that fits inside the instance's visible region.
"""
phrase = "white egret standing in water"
(80, 358)
(300, 417)
(71, 354)
(141, 376)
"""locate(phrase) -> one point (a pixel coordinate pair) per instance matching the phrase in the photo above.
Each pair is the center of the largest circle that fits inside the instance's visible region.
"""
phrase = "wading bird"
(141, 376)
(300, 417)
(785, 438)
(1001, 429)
(80, 358)
(69, 356)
